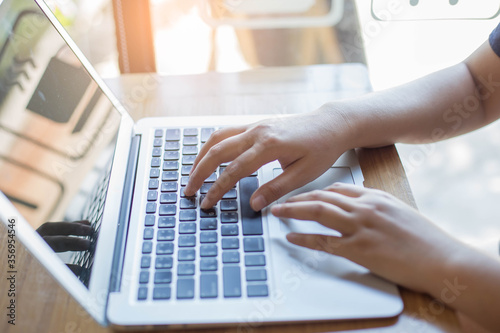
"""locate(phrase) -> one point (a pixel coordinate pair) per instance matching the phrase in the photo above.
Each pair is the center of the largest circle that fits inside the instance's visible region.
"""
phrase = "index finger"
(224, 151)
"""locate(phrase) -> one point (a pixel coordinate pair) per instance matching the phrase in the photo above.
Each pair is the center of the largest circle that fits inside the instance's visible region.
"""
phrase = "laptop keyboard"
(192, 253)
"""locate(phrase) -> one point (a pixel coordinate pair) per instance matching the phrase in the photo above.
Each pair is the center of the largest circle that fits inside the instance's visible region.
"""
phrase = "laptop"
(70, 152)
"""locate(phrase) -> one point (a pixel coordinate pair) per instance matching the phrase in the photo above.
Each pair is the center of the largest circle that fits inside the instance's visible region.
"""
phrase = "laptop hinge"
(123, 220)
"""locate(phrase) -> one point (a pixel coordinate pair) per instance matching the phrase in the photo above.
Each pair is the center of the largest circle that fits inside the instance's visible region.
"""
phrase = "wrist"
(344, 125)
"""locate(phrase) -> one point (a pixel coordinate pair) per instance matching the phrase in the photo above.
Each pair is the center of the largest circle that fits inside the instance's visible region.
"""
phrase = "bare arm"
(444, 104)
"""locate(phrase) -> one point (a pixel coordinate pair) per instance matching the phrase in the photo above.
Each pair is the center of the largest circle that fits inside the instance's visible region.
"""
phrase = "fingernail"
(292, 237)
(258, 203)
(275, 210)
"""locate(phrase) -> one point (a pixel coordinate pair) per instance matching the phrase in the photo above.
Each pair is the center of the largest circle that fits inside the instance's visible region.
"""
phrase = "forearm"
(469, 283)
(433, 108)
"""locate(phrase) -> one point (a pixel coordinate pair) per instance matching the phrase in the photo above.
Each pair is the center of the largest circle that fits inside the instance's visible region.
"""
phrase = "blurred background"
(456, 183)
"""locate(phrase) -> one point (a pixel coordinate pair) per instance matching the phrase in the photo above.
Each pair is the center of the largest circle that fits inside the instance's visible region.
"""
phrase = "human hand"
(60, 235)
(305, 145)
(378, 232)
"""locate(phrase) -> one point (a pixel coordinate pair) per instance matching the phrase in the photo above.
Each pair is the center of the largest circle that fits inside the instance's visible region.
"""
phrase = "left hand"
(378, 231)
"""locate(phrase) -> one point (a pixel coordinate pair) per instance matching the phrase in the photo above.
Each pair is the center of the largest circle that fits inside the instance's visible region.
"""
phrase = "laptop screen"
(57, 132)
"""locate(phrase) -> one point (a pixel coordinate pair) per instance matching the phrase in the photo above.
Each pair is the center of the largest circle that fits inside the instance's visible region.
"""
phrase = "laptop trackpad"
(332, 175)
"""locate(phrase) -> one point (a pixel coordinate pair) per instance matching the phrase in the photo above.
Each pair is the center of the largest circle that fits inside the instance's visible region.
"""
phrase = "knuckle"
(315, 195)
(217, 135)
(216, 150)
(318, 210)
(273, 190)
(233, 170)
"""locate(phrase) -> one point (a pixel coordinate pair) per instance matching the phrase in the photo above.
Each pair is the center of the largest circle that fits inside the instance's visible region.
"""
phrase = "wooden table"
(43, 306)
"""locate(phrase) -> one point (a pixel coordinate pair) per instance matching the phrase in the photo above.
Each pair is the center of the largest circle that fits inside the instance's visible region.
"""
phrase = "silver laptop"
(70, 152)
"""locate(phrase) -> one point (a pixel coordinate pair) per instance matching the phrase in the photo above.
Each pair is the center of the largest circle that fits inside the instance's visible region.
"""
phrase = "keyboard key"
(187, 215)
(153, 184)
(151, 208)
(169, 176)
(230, 243)
(184, 180)
(144, 277)
(229, 230)
(187, 228)
(255, 260)
(185, 269)
(159, 133)
(186, 254)
(166, 222)
(256, 275)
(163, 276)
(147, 247)
(170, 166)
(186, 169)
(156, 152)
(208, 250)
(208, 224)
(168, 198)
(251, 221)
(190, 132)
(207, 265)
(165, 235)
(161, 292)
(188, 159)
(157, 142)
(155, 162)
(188, 203)
(169, 187)
(145, 261)
(149, 221)
(211, 212)
(168, 210)
(231, 194)
(173, 134)
(154, 173)
(253, 244)
(230, 257)
(190, 141)
(185, 288)
(208, 237)
(257, 290)
(212, 178)
(172, 146)
(149, 233)
(205, 188)
(171, 156)
(205, 134)
(231, 281)
(164, 248)
(229, 217)
(142, 294)
(228, 205)
(164, 262)
(187, 241)
(152, 195)
(208, 286)
(190, 150)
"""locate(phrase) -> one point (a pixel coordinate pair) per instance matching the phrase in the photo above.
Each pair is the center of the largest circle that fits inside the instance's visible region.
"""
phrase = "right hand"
(305, 145)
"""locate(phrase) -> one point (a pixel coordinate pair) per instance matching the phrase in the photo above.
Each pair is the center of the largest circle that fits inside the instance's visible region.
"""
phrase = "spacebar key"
(251, 221)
